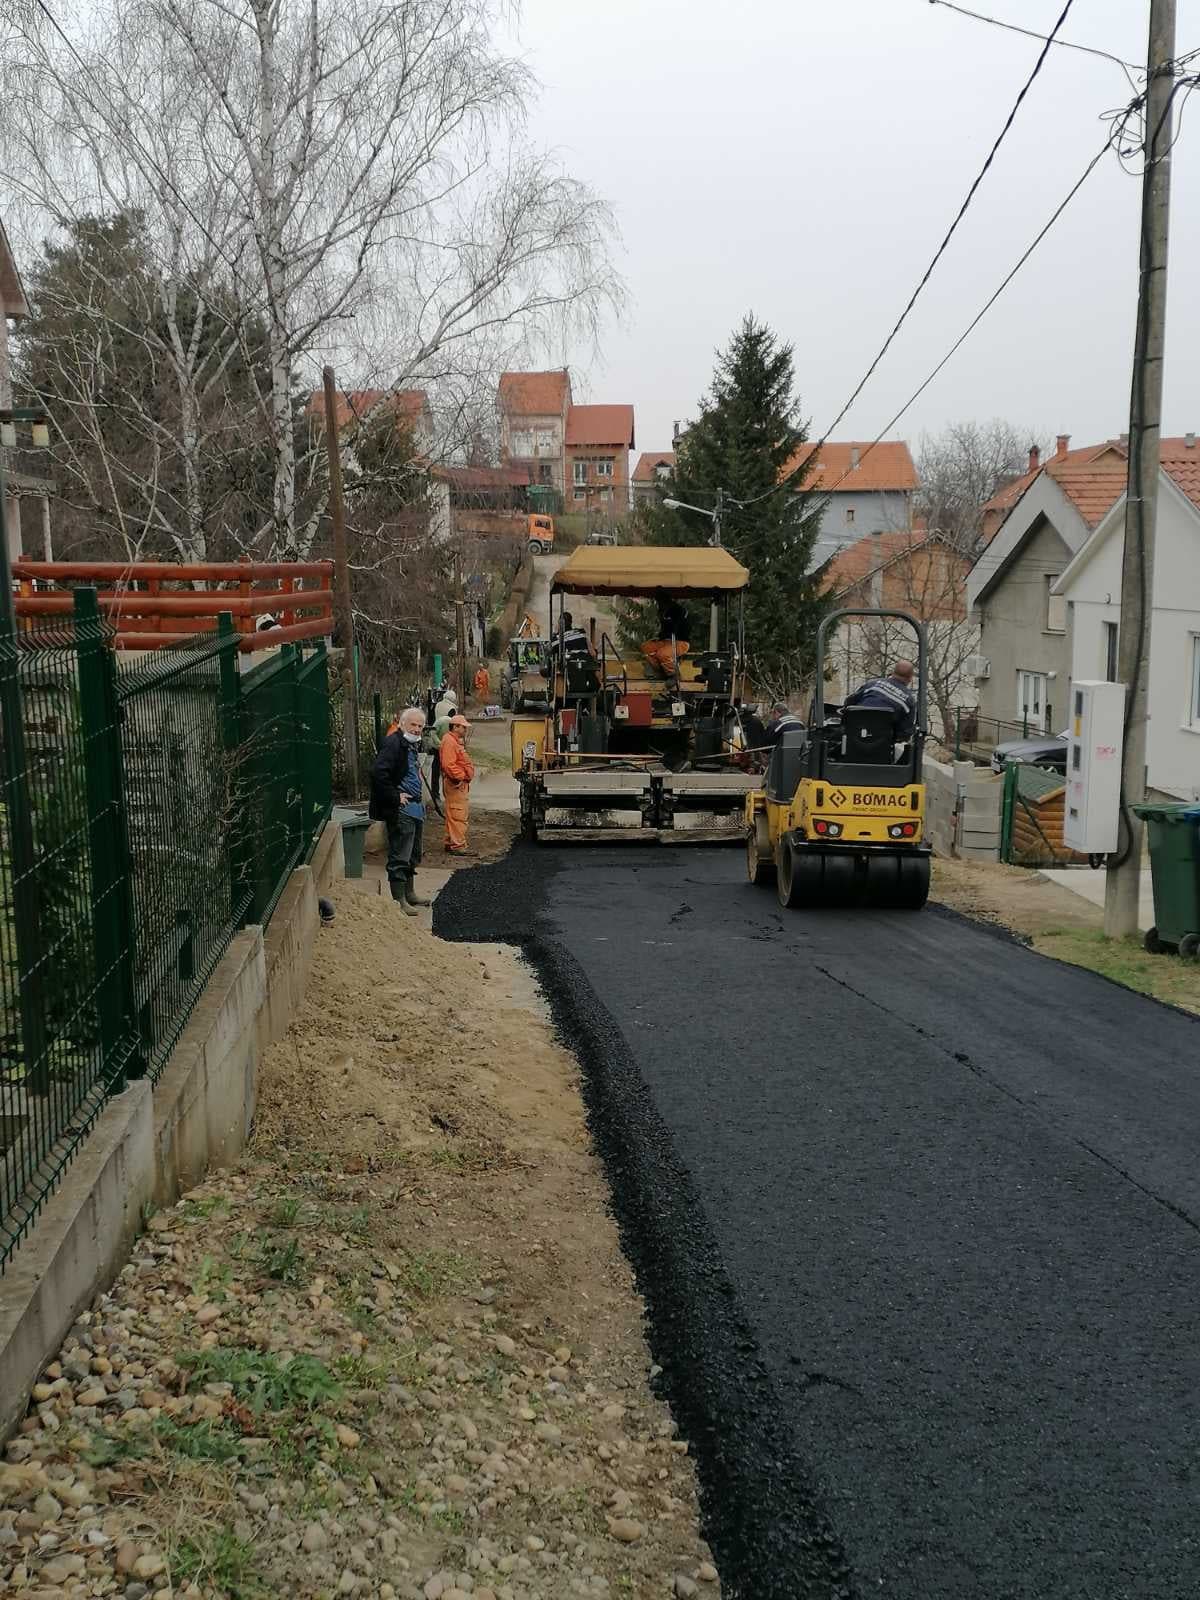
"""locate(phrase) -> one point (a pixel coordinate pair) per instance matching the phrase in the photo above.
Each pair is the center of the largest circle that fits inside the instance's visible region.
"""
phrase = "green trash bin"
(1174, 832)
(354, 838)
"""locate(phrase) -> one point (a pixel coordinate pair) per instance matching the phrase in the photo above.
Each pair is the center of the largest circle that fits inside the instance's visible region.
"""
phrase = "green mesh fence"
(178, 754)
(60, 1054)
(150, 807)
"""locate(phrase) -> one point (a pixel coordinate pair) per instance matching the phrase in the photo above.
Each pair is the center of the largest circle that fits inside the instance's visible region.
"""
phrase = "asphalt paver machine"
(839, 819)
(630, 747)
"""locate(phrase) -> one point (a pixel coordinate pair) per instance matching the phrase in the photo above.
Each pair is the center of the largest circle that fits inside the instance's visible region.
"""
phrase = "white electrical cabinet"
(1094, 739)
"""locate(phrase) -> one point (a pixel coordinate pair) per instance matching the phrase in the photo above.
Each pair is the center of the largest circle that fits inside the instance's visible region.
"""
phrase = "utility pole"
(714, 614)
(1123, 877)
(460, 629)
(343, 609)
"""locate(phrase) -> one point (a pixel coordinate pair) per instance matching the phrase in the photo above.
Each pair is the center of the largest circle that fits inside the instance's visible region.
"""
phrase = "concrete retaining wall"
(148, 1146)
(975, 836)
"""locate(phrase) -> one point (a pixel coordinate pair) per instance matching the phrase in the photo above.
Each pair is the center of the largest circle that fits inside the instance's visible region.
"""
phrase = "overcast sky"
(802, 159)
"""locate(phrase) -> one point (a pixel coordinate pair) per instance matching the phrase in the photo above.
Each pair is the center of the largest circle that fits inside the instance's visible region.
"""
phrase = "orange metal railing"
(157, 603)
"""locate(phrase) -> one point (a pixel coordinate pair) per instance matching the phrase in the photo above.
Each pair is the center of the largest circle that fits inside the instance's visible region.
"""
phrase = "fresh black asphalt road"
(950, 1191)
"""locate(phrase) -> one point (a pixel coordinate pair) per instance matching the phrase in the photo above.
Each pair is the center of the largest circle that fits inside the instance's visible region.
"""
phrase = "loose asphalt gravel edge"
(761, 1512)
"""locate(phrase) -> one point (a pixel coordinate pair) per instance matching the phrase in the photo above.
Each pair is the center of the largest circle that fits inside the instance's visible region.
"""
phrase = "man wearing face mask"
(396, 802)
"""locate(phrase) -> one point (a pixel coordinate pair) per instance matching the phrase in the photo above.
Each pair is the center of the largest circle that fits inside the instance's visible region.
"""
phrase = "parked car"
(523, 685)
(1044, 750)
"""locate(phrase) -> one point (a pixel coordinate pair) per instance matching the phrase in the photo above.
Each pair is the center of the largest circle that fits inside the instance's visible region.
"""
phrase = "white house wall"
(1172, 747)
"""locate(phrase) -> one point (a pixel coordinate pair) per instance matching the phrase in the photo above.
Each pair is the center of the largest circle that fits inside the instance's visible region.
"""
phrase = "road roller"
(839, 819)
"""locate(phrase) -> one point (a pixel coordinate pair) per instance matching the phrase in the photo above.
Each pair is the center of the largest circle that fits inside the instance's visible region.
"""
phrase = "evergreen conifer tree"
(749, 441)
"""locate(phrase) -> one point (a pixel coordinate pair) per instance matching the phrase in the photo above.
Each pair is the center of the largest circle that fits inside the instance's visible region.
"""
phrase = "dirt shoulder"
(396, 1353)
(1060, 924)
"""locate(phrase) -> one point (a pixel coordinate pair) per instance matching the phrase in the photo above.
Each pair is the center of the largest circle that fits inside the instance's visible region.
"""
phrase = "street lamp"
(714, 517)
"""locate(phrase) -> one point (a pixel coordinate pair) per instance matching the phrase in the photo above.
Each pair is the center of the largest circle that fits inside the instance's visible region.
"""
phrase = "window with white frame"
(1110, 641)
(1194, 709)
(1056, 606)
(604, 467)
(521, 442)
(580, 494)
(580, 470)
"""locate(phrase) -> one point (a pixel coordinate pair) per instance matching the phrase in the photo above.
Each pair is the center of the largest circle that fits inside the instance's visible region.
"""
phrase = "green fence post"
(113, 936)
(23, 853)
(377, 709)
(231, 744)
(1007, 810)
(958, 733)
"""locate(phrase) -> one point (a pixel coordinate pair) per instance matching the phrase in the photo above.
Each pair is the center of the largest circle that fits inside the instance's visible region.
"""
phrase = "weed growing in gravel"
(261, 1380)
(284, 1212)
(430, 1273)
(200, 1441)
(359, 1373)
(283, 1262)
(197, 1210)
(221, 1560)
(211, 1278)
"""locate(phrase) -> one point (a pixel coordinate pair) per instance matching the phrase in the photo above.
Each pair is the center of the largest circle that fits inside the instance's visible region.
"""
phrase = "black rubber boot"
(411, 896)
(399, 895)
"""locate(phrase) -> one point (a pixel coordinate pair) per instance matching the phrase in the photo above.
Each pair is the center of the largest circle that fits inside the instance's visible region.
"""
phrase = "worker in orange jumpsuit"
(483, 685)
(457, 772)
(672, 642)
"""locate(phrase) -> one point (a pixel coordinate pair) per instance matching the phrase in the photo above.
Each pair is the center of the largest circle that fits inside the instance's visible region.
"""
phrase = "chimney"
(1035, 458)
(854, 458)
(1061, 444)
(1125, 440)
(1189, 441)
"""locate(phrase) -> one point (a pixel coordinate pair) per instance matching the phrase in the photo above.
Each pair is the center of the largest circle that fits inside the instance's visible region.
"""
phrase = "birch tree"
(355, 170)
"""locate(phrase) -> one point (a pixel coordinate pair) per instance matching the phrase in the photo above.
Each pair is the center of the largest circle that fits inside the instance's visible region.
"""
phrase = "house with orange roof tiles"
(653, 468)
(599, 439)
(1045, 592)
(870, 488)
(533, 408)
(1090, 589)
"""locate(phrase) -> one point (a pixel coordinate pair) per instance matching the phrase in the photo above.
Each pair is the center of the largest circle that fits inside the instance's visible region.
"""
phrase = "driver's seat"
(868, 735)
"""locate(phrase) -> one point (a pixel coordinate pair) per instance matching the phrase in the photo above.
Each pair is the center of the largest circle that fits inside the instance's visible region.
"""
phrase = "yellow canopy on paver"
(641, 569)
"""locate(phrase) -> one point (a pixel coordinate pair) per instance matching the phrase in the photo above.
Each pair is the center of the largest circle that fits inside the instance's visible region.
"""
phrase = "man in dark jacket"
(893, 693)
(396, 802)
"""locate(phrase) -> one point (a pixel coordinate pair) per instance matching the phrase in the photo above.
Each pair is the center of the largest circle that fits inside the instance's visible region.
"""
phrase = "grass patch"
(1163, 977)
(429, 1274)
(284, 1262)
(221, 1561)
(263, 1382)
(197, 1210)
(284, 1212)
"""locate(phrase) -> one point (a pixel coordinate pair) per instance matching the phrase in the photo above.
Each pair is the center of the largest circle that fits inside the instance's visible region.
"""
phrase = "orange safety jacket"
(454, 761)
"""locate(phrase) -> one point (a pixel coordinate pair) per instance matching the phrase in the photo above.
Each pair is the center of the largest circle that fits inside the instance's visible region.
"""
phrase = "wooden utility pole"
(1123, 880)
(343, 609)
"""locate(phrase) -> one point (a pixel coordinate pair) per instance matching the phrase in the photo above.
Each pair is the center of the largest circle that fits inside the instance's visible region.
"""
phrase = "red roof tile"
(352, 405)
(648, 463)
(1093, 478)
(594, 425)
(535, 394)
(887, 465)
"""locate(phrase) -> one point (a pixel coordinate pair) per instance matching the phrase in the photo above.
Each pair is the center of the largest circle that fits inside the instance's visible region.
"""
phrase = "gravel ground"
(396, 1353)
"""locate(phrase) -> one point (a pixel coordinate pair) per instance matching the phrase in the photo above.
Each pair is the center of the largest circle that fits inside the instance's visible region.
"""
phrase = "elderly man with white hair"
(396, 802)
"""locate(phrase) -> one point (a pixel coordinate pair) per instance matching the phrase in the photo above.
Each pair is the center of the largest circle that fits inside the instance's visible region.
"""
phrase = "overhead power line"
(1032, 33)
(953, 228)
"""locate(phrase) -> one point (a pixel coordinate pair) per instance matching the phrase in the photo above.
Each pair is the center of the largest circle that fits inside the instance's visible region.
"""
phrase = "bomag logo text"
(888, 797)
